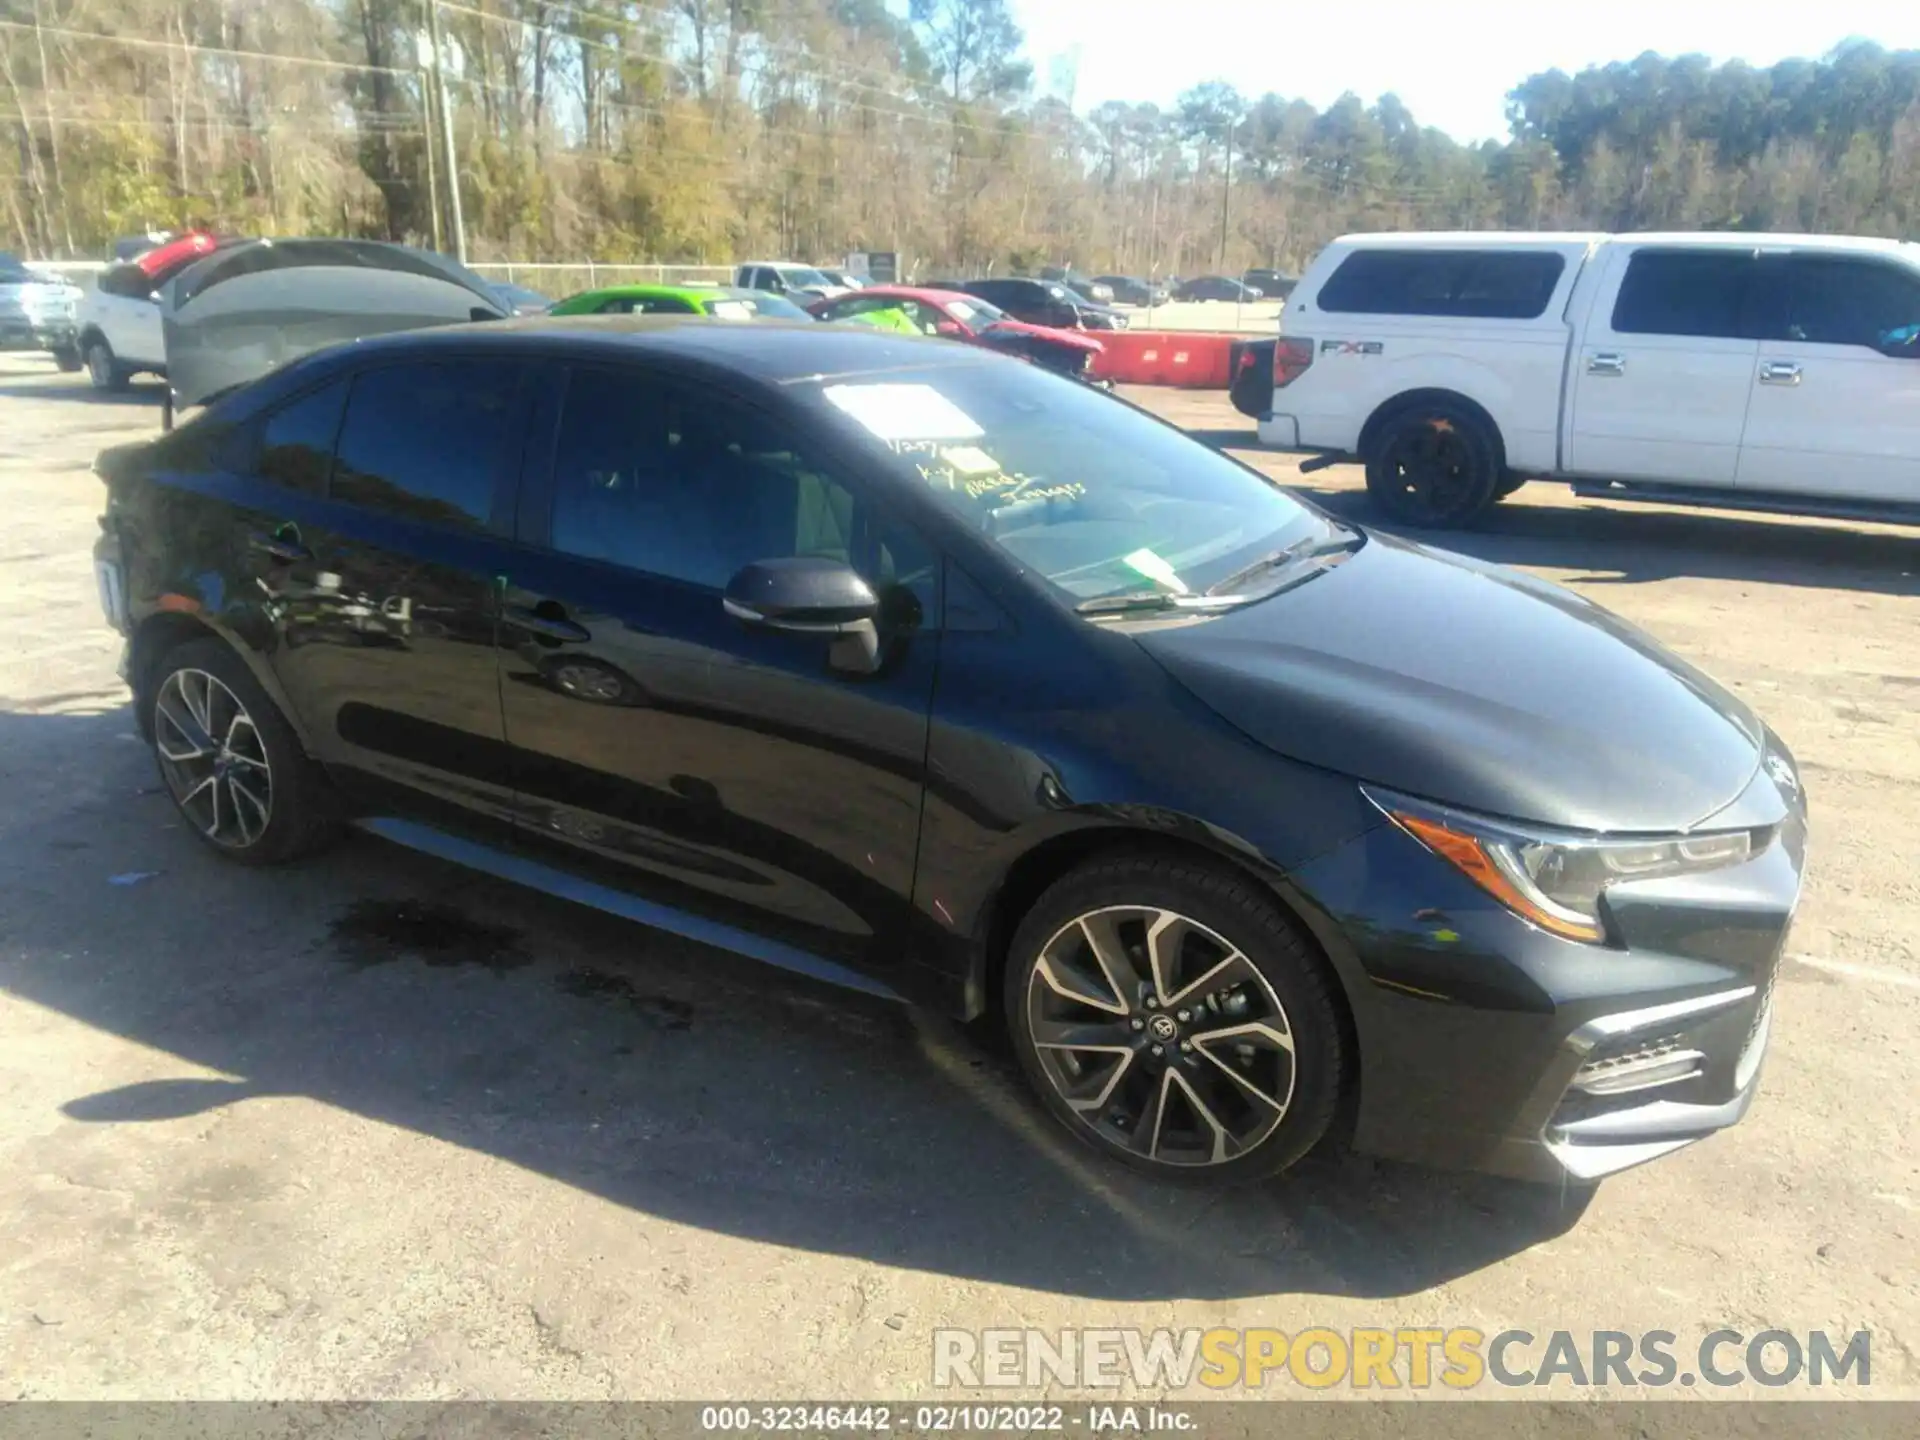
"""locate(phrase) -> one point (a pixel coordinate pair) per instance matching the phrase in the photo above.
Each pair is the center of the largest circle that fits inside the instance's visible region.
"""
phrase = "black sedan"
(919, 669)
(1043, 302)
(1129, 290)
(1215, 287)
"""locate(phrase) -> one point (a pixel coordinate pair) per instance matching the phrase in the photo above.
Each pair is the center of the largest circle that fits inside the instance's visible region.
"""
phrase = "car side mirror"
(805, 595)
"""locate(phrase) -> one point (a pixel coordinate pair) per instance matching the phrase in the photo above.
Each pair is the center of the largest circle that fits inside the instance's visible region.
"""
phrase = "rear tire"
(231, 762)
(1434, 465)
(1170, 1015)
(103, 370)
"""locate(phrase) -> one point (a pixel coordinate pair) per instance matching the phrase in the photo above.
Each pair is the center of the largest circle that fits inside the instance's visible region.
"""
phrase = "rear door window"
(1706, 293)
(1462, 284)
(430, 441)
(296, 441)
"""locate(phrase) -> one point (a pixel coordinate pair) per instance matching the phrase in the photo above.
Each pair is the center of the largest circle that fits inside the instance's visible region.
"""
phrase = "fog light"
(1641, 1069)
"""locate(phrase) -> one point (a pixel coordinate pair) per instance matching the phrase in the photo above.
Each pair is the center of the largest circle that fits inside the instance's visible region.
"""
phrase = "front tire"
(1173, 1017)
(231, 762)
(1435, 466)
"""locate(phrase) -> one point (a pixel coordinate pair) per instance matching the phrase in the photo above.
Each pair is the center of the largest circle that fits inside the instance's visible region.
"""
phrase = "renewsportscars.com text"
(1399, 1359)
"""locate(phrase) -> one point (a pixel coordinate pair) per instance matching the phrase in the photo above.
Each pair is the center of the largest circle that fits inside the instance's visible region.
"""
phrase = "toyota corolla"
(919, 669)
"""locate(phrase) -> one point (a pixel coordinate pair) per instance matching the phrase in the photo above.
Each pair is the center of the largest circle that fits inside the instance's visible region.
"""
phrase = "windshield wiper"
(1144, 600)
(1314, 547)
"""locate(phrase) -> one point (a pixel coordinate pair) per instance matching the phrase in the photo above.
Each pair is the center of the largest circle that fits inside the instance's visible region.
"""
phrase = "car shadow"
(669, 1078)
(54, 385)
(1635, 545)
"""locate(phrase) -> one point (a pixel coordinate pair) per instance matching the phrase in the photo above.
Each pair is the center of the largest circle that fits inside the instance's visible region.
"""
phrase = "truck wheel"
(67, 357)
(103, 370)
(1434, 465)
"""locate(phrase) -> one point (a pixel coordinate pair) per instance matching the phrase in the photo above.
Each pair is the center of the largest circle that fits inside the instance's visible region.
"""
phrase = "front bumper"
(1487, 1044)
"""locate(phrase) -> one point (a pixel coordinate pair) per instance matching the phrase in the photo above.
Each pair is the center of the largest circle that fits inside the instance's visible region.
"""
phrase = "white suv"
(1767, 372)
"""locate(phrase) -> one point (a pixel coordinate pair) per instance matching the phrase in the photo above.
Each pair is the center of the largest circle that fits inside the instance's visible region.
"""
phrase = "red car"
(963, 317)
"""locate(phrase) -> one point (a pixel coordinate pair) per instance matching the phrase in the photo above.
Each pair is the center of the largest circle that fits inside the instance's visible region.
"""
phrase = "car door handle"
(1606, 364)
(283, 549)
(1779, 372)
(547, 626)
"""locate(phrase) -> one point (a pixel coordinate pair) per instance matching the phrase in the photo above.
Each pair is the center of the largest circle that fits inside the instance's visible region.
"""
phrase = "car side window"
(1842, 301)
(1702, 293)
(658, 479)
(129, 282)
(427, 440)
(296, 441)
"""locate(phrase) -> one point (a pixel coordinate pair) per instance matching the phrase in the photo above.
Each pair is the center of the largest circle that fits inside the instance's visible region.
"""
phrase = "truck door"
(1664, 368)
(1836, 391)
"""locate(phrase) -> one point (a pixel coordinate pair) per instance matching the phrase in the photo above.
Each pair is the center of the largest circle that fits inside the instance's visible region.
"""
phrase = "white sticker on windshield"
(905, 412)
(969, 460)
(1146, 563)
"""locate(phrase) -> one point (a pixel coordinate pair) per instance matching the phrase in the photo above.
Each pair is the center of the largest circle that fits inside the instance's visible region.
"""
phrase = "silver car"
(36, 312)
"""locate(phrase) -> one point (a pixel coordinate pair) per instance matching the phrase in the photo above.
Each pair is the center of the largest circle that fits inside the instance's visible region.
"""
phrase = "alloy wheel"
(213, 759)
(1432, 464)
(1161, 1036)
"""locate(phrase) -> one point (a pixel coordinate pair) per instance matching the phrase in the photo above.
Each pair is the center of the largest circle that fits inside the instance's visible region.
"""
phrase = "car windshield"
(975, 313)
(1097, 497)
(755, 306)
(802, 277)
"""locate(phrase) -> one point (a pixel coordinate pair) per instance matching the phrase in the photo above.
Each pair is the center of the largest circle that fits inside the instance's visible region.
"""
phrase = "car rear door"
(662, 746)
(379, 571)
(1664, 366)
(1836, 409)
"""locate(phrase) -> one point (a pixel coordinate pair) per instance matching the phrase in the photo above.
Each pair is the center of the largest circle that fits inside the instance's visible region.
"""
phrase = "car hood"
(1473, 685)
(245, 310)
(1067, 339)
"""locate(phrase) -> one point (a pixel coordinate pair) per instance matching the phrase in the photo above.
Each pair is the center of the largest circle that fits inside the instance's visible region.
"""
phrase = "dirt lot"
(251, 1148)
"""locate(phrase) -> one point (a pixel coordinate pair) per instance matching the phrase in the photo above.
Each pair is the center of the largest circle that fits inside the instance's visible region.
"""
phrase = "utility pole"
(432, 133)
(446, 132)
(1226, 194)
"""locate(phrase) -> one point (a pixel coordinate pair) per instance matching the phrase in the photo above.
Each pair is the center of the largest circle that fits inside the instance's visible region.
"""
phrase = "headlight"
(1555, 878)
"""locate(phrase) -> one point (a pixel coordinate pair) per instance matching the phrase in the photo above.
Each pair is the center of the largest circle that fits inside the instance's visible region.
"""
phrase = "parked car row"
(911, 668)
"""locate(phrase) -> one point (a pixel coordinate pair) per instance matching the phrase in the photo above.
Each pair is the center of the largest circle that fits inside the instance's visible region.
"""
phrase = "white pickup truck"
(1761, 372)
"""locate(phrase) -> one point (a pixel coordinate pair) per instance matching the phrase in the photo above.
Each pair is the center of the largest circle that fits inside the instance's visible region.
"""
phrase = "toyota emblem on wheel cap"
(1161, 1027)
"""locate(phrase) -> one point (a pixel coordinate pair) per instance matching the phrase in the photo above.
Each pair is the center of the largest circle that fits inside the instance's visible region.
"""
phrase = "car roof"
(659, 290)
(930, 293)
(1677, 239)
(776, 352)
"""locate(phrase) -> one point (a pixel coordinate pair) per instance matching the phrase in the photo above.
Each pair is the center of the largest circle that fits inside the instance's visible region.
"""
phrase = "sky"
(1452, 63)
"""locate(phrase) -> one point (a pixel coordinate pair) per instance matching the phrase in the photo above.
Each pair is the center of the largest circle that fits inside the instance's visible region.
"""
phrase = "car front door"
(663, 746)
(1664, 369)
(381, 578)
(1836, 404)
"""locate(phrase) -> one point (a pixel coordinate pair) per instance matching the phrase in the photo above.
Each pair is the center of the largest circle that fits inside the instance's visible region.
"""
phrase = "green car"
(722, 302)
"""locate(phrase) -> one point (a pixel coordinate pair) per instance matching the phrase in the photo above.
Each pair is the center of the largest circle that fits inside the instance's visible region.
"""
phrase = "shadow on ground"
(680, 1081)
(1624, 544)
(55, 386)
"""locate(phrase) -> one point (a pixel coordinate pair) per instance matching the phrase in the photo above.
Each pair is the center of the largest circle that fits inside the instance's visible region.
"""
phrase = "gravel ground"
(251, 1146)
